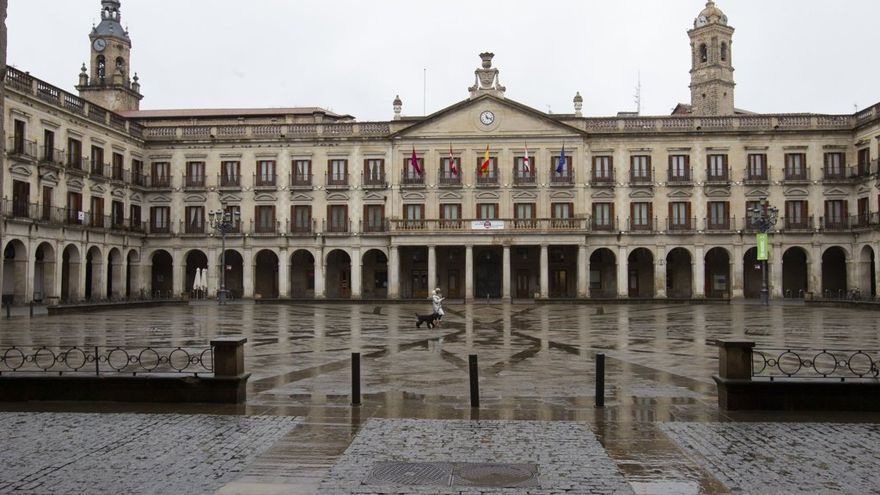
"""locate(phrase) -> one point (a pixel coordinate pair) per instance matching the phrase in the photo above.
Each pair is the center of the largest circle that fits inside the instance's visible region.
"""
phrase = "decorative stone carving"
(486, 80)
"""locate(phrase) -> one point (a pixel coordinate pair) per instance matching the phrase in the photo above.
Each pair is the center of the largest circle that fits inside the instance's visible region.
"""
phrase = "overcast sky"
(354, 56)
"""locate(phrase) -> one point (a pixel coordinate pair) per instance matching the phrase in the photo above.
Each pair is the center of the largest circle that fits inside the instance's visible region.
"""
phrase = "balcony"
(138, 180)
(265, 228)
(194, 182)
(641, 178)
(680, 177)
(717, 180)
(51, 156)
(564, 179)
(412, 180)
(681, 225)
(229, 182)
(834, 224)
(604, 224)
(719, 225)
(640, 225)
(118, 174)
(21, 148)
(45, 214)
(796, 176)
(860, 171)
(337, 180)
(477, 226)
(264, 182)
(99, 170)
(375, 227)
(375, 180)
(331, 228)
(301, 181)
(835, 175)
(757, 179)
(194, 229)
(305, 228)
(77, 164)
(489, 179)
(159, 228)
(448, 179)
(158, 182)
(523, 179)
(797, 224)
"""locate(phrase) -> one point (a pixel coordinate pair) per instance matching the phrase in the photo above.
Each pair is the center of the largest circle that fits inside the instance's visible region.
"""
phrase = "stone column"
(59, 268)
(432, 268)
(698, 282)
(118, 279)
(393, 273)
(320, 265)
(29, 273)
(283, 274)
(79, 280)
(660, 274)
(775, 263)
(356, 271)
(622, 272)
(814, 268)
(505, 274)
(583, 273)
(213, 272)
(248, 266)
(852, 273)
(736, 273)
(545, 273)
(468, 273)
(178, 274)
(867, 292)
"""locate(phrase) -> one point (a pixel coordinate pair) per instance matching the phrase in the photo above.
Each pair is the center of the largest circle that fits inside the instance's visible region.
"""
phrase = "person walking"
(437, 304)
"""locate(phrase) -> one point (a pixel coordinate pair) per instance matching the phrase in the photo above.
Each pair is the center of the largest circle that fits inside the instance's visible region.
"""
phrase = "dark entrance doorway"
(487, 272)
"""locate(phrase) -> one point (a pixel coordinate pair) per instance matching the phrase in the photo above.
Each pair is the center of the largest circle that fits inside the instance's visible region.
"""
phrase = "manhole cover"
(495, 475)
(411, 473)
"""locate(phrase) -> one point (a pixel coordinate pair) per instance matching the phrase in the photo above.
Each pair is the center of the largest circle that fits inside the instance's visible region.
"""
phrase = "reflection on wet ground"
(536, 363)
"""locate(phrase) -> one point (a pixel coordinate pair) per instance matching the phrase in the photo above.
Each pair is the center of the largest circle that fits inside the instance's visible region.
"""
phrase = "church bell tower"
(711, 67)
(108, 81)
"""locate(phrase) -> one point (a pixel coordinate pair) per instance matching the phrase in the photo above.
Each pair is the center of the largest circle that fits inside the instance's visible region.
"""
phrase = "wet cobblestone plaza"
(660, 432)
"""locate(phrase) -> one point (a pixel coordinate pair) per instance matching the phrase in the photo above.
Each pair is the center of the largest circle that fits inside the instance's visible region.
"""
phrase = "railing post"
(97, 363)
(735, 359)
(356, 378)
(600, 379)
(474, 379)
(8, 310)
(228, 356)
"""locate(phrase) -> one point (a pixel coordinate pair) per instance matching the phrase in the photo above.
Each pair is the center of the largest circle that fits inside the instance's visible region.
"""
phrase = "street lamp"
(763, 217)
(223, 221)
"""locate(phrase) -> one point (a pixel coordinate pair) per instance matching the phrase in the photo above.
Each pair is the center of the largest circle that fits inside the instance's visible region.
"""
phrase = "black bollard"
(600, 380)
(356, 378)
(475, 383)
(31, 304)
(8, 310)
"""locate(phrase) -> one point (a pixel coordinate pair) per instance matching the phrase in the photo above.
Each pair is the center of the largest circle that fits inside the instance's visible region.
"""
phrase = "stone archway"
(234, 273)
(866, 271)
(717, 283)
(266, 275)
(834, 282)
(338, 275)
(115, 275)
(751, 274)
(44, 274)
(162, 274)
(679, 274)
(795, 275)
(302, 274)
(94, 289)
(15, 273)
(603, 274)
(71, 269)
(640, 273)
(374, 275)
(132, 275)
(195, 259)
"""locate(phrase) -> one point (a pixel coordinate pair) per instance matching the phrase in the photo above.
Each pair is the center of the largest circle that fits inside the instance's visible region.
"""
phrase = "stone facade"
(642, 207)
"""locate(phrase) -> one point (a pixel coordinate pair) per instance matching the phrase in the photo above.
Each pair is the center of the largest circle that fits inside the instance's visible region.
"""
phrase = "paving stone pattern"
(53, 453)
(785, 457)
(569, 457)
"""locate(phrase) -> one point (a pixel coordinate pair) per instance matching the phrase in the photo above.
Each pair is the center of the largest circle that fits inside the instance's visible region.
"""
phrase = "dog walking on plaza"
(437, 305)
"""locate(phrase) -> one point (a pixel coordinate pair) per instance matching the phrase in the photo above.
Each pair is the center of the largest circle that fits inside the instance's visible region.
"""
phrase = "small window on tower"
(120, 65)
(704, 54)
(724, 52)
(101, 67)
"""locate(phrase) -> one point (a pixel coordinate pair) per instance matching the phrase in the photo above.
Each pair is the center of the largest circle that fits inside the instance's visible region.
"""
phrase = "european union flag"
(560, 165)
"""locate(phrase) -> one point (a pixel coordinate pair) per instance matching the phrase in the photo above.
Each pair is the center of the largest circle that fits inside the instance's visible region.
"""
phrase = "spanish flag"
(484, 168)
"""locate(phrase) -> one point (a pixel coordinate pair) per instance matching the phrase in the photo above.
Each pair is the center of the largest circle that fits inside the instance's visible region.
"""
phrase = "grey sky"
(354, 56)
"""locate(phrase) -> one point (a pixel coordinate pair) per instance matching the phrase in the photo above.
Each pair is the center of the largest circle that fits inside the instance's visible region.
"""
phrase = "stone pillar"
(118, 280)
(284, 274)
(505, 273)
(79, 278)
(320, 266)
(468, 273)
(735, 359)
(698, 284)
(814, 268)
(247, 268)
(622, 272)
(229, 368)
(775, 264)
(736, 273)
(393, 273)
(58, 267)
(432, 268)
(852, 273)
(30, 263)
(178, 272)
(866, 293)
(660, 274)
(545, 273)
(213, 271)
(356, 271)
(583, 273)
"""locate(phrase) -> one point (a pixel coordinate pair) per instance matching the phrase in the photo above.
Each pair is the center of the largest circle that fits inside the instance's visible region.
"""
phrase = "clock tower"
(711, 63)
(108, 82)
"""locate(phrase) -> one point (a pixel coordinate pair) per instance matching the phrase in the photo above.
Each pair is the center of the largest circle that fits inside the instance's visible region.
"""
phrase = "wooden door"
(453, 288)
(522, 284)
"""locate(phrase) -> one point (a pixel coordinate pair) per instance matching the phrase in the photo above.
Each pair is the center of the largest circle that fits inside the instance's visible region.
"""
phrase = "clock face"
(487, 117)
(100, 44)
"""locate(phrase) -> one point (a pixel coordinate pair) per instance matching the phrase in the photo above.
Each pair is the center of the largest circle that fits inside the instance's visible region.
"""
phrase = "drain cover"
(496, 475)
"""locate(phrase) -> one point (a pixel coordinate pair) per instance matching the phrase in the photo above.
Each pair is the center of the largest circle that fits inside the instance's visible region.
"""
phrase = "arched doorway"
(834, 272)
(487, 272)
(132, 277)
(15, 273)
(751, 274)
(374, 275)
(44, 274)
(266, 275)
(717, 273)
(867, 282)
(195, 260)
(603, 273)
(679, 274)
(71, 264)
(115, 275)
(302, 274)
(640, 273)
(338, 276)
(795, 281)
(234, 273)
(94, 274)
(162, 277)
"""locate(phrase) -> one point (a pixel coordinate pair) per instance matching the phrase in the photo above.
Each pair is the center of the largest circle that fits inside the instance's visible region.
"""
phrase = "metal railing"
(229, 181)
(717, 179)
(52, 156)
(374, 228)
(410, 180)
(376, 180)
(295, 228)
(265, 180)
(804, 363)
(792, 176)
(489, 179)
(20, 147)
(300, 180)
(681, 225)
(604, 225)
(644, 224)
(265, 227)
(104, 360)
(337, 180)
(685, 179)
(563, 179)
(646, 177)
(337, 228)
(194, 181)
(157, 181)
(524, 179)
(502, 224)
(803, 224)
(719, 224)
(65, 216)
(449, 179)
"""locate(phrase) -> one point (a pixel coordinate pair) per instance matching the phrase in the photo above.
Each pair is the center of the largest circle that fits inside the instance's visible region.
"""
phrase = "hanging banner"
(763, 246)
(487, 224)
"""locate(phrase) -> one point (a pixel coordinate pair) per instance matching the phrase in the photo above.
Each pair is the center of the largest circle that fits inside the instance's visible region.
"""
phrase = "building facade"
(487, 198)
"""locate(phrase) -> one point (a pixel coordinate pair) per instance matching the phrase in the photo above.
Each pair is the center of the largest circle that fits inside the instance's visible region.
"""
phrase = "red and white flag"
(452, 167)
(526, 166)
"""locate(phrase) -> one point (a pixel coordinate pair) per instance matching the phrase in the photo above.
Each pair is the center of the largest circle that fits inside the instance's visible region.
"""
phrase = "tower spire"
(111, 21)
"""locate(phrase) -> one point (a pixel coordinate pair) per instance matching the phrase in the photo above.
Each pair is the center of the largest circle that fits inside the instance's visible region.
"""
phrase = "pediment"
(264, 197)
(337, 196)
(118, 193)
(863, 189)
(835, 191)
(524, 195)
(510, 119)
(680, 193)
(449, 195)
(642, 194)
(161, 198)
(50, 177)
(230, 198)
(484, 195)
(137, 197)
(561, 195)
(75, 183)
(603, 193)
(717, 192)
(796, 191)
(413, 196)
(98, 189)
(195, 198)
(301, 197)
(21, 170)
(757, 193)
(372, 196)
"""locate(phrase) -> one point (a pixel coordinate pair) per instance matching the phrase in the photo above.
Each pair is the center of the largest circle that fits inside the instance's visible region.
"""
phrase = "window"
(49, 154)
(21, 192)
(374, 171)
(562, 214)
(565, 170)
(450, 170)
(161, 174)
(795, 166)
(337, 216)
(487, 211)
(680, 215)
(195, 219)
(100, 68)
(719, 215)
(195, 174)
(524, 170)
(640, 216)
(338, 172)
(489, 175)
(230, 174)
(450, 216)
(160, 218)
(679, 168)
(723, 51)
(74, 154)
(137, 173)
(864, 210)
(302, 173)
(19, 137)
(717, 168)
(118, 166)
(134, 217)
(640, 168)
(410, 174)
(264, 216)
(757, 167)
(234, 212)
(97, 212)
(864, 160)
(704, 53)
(603, 216)
(374, 218)
(265, 173)
(97, 160)
(47, 203)
(835, 214)
(302, 219)
(75, 212)
(117, 213)
(795, 214)
(603, 169)
(524, 215)
(834, 166)
(414, 215)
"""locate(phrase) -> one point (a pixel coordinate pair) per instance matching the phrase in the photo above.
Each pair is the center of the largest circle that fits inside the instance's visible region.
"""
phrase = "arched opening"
(15, 273)
(795, 280)
(71, 264)
(374, 275)
(834, 272)
(162, 276)
(94, 274)
(120, 65)
(704, 53)
(679, 274)
(338, 276)
(717, 273)
(266, 275)
(101, 68)
(603, 273)
(234, 274)
(195, 260)
(44, 274)
(724, 51)
(302, 274)
(487, 272)
(413, 272)
(132, 277)
(562, 263)
(115, 275)
(867, 282)
(751, 274)
(640, 273)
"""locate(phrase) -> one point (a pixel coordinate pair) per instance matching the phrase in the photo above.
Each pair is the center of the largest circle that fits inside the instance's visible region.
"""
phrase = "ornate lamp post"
(763, 217)
(223, 222)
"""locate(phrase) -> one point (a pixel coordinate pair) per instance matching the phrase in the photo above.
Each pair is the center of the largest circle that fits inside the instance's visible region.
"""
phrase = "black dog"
(429, 319)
